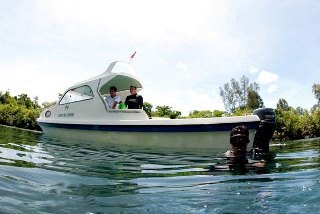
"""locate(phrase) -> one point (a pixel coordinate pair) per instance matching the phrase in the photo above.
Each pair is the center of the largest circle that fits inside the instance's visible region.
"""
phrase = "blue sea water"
(39, 174)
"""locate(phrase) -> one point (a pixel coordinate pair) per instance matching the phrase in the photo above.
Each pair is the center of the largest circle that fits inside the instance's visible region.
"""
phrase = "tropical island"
(239, 98)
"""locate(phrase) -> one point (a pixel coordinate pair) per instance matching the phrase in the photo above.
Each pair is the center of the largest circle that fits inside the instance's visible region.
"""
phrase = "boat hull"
(200, 137)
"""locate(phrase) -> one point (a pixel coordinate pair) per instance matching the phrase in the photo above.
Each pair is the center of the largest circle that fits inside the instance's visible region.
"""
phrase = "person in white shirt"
(113, 99)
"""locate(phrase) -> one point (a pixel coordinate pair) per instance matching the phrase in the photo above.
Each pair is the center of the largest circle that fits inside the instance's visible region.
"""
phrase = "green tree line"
(296, 123)
(239, 97)
(19, 111)
(168, 112)
(242, 97)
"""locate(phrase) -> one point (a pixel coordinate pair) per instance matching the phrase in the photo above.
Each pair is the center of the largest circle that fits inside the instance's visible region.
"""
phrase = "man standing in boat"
(113, 99)
(134, 101)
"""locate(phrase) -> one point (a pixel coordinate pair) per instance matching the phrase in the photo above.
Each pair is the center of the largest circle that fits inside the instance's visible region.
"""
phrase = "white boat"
(82, 113)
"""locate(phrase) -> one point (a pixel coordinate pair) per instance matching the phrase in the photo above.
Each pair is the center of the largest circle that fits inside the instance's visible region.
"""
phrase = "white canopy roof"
(118, 74)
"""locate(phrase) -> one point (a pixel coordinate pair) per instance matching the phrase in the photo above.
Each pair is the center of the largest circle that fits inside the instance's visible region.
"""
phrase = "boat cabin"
(86, 99)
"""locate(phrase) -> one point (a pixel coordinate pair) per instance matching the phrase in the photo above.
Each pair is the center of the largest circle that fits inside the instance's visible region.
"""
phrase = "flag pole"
(132, 56)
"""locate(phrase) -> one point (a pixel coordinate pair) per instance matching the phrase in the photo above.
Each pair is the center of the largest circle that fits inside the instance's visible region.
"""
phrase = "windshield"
(77, 94)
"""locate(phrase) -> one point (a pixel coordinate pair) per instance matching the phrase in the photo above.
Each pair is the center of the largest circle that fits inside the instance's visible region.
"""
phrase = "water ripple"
(39, 174)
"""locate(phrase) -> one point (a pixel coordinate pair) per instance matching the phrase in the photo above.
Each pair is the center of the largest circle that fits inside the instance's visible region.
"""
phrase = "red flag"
(133, 55)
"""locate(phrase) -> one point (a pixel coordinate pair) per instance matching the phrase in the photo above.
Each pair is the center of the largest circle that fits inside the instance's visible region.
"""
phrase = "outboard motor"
(267, 126)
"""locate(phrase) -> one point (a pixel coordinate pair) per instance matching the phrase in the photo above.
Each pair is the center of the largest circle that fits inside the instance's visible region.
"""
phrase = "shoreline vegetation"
(19, 111)
(240, 98)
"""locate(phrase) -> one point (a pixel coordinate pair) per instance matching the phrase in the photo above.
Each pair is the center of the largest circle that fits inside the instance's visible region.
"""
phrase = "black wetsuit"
(134, 101)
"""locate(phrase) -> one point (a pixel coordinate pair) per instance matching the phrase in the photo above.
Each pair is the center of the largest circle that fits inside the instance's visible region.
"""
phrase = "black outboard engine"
(267, 126)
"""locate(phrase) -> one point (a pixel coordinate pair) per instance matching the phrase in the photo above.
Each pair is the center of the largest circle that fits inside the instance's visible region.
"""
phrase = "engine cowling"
(267, 126)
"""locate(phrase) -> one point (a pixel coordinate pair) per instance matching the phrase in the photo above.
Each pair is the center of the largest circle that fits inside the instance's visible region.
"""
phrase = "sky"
(186, 49)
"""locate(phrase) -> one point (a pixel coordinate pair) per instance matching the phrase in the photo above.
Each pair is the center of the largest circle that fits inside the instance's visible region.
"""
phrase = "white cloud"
(253, 70)
(161, 61)
(182, 66)
(266, 77)
(272, 88)
(293, 92)
(139, 21)
(63, 42)
(35, 78)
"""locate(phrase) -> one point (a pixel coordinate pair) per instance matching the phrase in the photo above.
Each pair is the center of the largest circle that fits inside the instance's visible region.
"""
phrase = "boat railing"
(125, 110)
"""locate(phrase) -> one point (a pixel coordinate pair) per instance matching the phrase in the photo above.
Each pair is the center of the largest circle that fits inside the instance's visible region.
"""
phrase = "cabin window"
(77, 94)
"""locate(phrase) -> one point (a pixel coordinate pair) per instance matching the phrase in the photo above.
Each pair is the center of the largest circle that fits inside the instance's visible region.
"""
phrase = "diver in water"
(239, 139)
(237, 157)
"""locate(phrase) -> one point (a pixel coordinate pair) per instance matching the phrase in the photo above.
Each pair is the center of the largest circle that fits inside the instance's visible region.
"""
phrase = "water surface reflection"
(41, 174)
